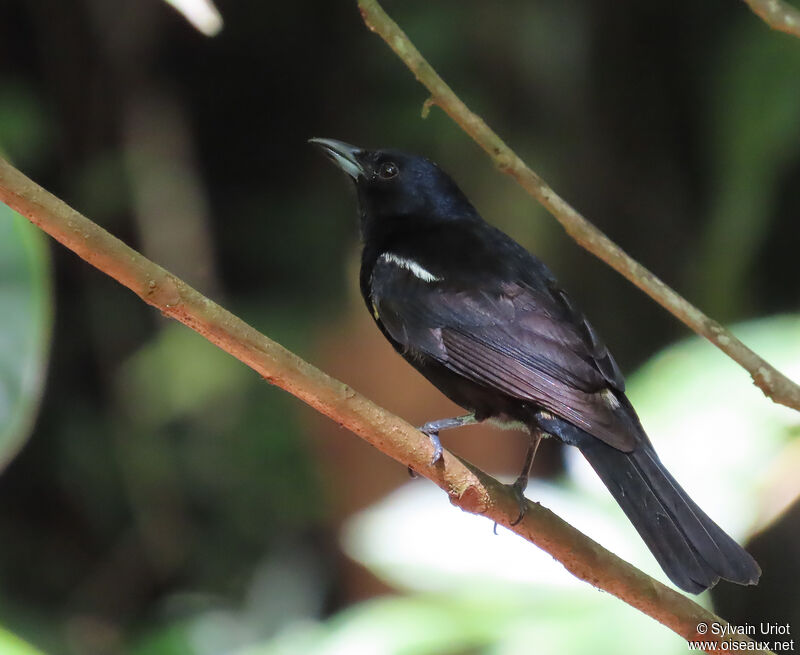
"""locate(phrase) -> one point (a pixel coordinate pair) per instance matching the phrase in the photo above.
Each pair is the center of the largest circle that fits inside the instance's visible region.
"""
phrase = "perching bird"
(486, 322)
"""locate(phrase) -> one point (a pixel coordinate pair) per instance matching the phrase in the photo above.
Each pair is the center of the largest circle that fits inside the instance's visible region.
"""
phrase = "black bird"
(486, 322)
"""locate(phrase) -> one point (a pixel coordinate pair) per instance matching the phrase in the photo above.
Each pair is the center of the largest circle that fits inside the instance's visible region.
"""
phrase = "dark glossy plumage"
(486, 322)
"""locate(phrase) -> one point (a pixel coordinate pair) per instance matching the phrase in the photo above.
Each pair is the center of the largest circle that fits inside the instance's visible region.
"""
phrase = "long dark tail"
(693, 550)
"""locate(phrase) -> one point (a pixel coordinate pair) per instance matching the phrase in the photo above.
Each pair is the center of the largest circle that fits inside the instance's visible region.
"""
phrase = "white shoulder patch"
(611, 399)
(411, 266)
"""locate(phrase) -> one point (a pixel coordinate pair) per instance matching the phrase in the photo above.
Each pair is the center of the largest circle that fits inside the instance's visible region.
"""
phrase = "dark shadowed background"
(167, 500)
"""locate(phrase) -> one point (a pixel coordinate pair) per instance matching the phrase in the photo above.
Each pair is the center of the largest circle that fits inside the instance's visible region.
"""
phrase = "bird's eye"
(388, 170)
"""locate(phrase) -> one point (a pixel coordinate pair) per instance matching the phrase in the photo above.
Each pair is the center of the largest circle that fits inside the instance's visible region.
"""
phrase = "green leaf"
(12, 645)
(494, 625)
(26, 311)
(190, 374)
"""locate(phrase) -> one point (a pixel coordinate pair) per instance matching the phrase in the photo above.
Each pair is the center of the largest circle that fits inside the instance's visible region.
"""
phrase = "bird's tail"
(693, 550)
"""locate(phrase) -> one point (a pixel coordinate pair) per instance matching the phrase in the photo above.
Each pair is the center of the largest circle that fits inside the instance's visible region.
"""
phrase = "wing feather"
(527, 342)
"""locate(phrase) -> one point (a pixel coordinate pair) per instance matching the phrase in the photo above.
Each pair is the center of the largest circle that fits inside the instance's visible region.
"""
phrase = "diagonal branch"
(468, 488)
(772, 382)
(778, 14)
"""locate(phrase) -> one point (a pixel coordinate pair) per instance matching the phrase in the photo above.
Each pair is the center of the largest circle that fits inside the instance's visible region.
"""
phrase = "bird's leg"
(432, 429)
(522, 481)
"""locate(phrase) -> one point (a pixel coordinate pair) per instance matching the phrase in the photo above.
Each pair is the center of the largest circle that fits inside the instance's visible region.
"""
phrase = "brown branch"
(772, 382)
(467, 487)
(779, 15)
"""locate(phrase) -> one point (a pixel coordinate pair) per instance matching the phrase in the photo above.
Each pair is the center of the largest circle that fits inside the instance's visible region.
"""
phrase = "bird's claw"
(437, 447)
(519, 491)
(433, 435)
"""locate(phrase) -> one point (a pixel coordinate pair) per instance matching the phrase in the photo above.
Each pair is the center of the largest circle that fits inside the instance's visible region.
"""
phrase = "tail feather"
(693, 550)
(731, 561)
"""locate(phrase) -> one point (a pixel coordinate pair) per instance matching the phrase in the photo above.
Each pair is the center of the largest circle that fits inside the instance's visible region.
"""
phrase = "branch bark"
(772, 382)
(779, 15)
(468, 488)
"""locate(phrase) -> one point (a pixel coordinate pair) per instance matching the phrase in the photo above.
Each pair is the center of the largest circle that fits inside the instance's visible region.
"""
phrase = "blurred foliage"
(755, 134)
(11, 645)
(25, 305)
(492, 626)
(25, 128)
(167, 501)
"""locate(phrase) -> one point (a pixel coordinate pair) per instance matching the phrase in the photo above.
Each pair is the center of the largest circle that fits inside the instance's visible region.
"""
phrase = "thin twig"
(779, 15)
(467, 487)
(772, 382)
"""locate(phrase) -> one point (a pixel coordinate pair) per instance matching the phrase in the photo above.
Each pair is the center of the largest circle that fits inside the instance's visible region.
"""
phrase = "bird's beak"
(343, 155)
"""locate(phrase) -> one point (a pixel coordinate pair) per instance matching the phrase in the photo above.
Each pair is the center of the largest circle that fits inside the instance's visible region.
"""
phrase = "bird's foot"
(519, 491)
(432, 429)
(432, 433)
(522, 481)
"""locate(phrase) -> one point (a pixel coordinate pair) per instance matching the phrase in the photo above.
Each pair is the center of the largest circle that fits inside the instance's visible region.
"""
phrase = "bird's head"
(396, 188)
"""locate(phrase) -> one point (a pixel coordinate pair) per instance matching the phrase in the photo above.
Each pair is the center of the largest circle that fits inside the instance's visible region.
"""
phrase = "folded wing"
(523, 340)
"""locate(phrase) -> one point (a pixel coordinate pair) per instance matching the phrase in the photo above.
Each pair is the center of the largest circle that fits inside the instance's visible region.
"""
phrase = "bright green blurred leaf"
(423, 624)
(26, 311)
(177, 374)
(717, 433)
(172, 640)
(12, 645)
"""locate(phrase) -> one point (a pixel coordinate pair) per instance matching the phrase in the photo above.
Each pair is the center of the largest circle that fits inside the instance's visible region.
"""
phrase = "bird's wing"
(522, 340)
